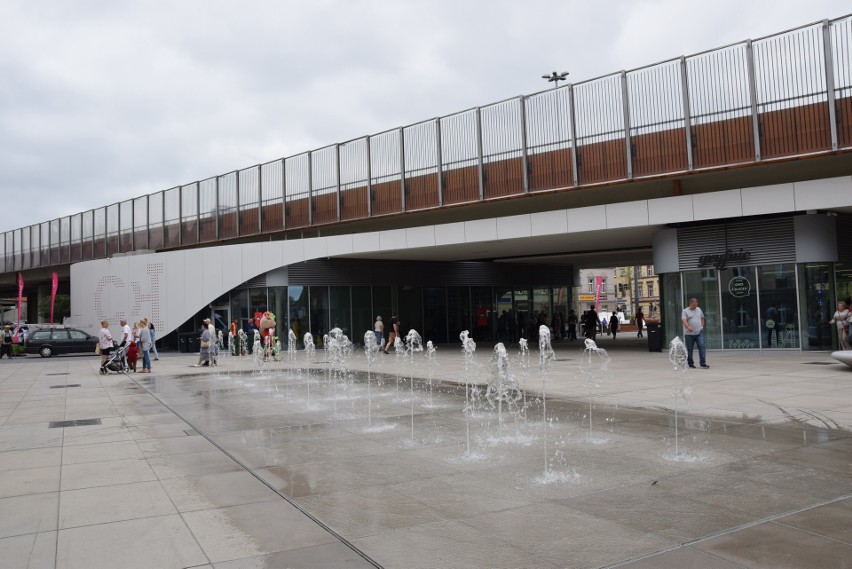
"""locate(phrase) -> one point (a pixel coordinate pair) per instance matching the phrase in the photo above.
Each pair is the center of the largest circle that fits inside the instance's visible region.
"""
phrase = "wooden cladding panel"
(156, 237)
(272, 217)
(227, 225)
(723, 142)
(387, 198)
(324, 208)
(207, 229)
(659, 152)
(461, 185)
(550, 170)
(353, 203)
(843, 108)
(796, 130)
(249, 223)
(140, 239)
(421, 191)
(296, 213)
(504, 177)
(602, 161)
(76, 252)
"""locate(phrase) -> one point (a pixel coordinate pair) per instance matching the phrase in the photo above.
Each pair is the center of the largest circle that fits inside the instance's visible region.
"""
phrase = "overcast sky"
(105, 100)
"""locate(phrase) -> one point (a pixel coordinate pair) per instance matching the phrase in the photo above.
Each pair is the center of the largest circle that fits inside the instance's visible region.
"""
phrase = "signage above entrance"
(721, 261)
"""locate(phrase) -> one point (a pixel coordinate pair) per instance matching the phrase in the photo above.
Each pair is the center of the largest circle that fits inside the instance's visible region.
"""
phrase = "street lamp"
(555, 78)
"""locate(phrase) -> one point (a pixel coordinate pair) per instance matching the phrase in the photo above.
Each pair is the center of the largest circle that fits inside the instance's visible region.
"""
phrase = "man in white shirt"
(693, 332)
(126, 332)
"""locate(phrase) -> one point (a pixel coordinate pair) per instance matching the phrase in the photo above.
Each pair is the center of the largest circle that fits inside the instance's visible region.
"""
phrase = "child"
(132, 355)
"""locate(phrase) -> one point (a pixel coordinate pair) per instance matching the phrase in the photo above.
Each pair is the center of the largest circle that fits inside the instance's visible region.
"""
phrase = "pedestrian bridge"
(757, 109)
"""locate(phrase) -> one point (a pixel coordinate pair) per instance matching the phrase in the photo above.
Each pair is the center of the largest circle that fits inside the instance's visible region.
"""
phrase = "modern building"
(728, 171)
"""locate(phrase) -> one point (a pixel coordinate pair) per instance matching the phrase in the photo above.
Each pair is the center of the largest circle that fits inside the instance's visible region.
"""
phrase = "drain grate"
(819, 363)
(77, 423)
(64, 386)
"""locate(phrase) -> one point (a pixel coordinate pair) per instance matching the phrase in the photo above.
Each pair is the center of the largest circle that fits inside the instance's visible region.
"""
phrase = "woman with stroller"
(105, 341)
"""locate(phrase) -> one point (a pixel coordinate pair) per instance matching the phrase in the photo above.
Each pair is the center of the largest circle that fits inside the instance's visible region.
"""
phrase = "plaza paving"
(229, 468)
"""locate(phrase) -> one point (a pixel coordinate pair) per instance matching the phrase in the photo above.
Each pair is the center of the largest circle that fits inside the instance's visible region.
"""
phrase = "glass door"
(779, 306)
(740, 322)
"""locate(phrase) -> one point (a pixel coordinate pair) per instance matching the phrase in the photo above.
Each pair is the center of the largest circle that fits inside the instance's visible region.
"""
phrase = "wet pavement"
(313, 465)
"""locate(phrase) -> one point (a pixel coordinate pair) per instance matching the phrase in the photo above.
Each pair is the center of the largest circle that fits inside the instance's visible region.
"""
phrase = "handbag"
(205, 343)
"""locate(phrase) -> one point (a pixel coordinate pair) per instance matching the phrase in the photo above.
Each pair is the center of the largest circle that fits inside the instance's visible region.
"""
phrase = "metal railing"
(783, 95)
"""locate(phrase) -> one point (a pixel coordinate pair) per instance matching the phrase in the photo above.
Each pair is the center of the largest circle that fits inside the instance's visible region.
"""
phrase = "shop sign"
(739, 287)
(721, 261)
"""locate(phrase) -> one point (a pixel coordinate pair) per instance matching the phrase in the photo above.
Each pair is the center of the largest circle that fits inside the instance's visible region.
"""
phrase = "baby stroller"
(116, 361)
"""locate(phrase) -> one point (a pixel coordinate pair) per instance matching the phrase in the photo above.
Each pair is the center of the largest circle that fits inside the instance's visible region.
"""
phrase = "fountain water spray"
(595, 368)
(291, 345)
(413, 344)
(371, 350)
(310, 351)
(432, 361)
(524, 363)
(545, 356)
(339, 349)
(682, 383)
(503, 388)
(471, 372)
(258, 352)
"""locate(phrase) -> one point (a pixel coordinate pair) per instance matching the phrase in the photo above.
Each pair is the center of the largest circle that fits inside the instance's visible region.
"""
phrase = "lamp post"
(555, 78)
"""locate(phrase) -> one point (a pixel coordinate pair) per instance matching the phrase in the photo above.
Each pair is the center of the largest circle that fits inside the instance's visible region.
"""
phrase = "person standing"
(204, 350)
(392, 335)
(590, 319)
(841, 321)
(105, 341)
(126, 333)
(640, 322)
(214, 344)
(145, 344)
(379, 331)
(153, 332)
(572, 325)
(613, 324)
(693, 332)
(6, 342)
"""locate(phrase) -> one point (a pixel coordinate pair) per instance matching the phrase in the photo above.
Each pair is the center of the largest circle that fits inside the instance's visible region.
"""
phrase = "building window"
(603, 286)
(650, 270)
(650, 289)
(622, 271)
(591, 286)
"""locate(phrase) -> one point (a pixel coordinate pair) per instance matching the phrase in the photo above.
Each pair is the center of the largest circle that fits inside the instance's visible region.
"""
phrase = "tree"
(61, 307)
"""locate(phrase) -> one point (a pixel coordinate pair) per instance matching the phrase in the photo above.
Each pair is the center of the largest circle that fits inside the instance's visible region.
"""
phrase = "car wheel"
(46, 351)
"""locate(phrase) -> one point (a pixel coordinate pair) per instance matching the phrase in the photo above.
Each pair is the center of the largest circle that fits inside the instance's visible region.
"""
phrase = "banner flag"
(598, 284)
(54, 284)
(20, 296)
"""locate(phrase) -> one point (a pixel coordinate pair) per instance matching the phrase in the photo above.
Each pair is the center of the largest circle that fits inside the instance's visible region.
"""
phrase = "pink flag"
(598, 285)
(54, 284)
(20, 296)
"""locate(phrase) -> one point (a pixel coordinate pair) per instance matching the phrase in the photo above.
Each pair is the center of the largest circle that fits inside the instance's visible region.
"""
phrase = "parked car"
(47, 342)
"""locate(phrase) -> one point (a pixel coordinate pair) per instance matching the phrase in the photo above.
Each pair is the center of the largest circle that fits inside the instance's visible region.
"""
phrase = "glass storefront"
(437, 313)
(765, 307)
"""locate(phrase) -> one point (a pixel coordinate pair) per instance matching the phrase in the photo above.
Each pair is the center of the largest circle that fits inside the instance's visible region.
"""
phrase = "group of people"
(379, 331)
(10, 337)
(842, 320)
(137, 339)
